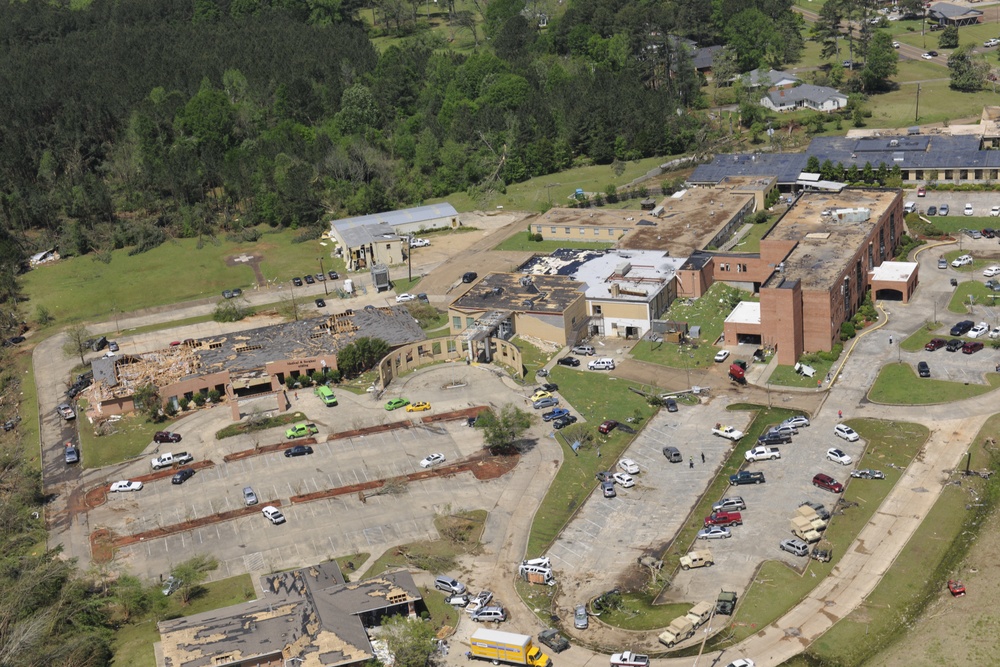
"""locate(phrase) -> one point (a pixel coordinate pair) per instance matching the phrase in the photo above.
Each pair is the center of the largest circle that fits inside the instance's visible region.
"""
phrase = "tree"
(880, 63)
(827, 29)
(191, 573)
(361, 355)
(949, 38)
(501, 431)
(723, 69)
(411, 642)
(78, 342)
(812, 164)
(968, 69)
(147, 400)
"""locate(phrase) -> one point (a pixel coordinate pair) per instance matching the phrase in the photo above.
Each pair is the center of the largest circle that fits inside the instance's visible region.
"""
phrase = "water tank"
(349, 286)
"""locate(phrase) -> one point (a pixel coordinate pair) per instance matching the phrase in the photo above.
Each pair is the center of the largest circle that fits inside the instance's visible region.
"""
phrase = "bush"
(847, 331)
(184, 403)
(334, 375)
(319, 377)
(290, 380)
(199, 399)
(214, 395)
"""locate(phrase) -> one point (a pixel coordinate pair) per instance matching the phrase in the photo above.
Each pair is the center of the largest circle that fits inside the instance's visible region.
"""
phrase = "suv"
(794, 546)
(449, 585)
(923, 370)
(249, 497)
(954, 345)
(469, 276)
(486, 614)
(964, 260)
(972, 347)
(166, 436)
(829, 483)
(730, 504)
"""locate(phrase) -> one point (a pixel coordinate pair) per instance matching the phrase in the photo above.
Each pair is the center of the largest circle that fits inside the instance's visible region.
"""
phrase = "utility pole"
(916, 111)
(323, 273)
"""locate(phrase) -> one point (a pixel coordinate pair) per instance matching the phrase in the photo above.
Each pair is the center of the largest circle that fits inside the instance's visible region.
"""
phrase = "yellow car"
(539, 395)
(419, 406)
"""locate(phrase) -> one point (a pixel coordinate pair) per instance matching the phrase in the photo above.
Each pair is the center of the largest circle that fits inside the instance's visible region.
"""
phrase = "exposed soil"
(253, 261)
(957, 631)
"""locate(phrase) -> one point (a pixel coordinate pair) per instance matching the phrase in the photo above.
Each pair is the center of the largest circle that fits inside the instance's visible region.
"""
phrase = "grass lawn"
(917, 70)
(575, 479)
(532, 357)
(916, 341)
(533, 195)
(133, 643)
(938, 103)
(637, 613)
(751, 242)
(405, 285)
(132, 434)
(81, 288)
(520, 242)
(435, 555)
(20, 368)
(787, 377)
(354, 560)
(777, 588)
(981, 296)
(269, 422)
(710, 312)
(111, 335)
(898, 384)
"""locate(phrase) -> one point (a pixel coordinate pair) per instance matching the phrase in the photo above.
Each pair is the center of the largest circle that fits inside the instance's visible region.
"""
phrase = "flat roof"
(505, 291)
(745, 312)
(690, 219)
(315, 336)
(357, 236)
(588, 217)
(648, 271)
(825, 241)
(402, 217)
(894, 272)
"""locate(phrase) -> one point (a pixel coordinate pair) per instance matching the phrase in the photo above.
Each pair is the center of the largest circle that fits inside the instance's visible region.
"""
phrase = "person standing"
(690, 462)
(703, 457)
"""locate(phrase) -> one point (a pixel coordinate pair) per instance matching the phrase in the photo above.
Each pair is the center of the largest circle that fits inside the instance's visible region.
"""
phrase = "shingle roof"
(805, 93)
(948, 10)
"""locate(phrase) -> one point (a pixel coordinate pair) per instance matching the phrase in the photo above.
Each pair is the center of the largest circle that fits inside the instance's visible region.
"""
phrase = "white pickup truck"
(762, 454)
(629, 659)
(727, 432)
(168, 459)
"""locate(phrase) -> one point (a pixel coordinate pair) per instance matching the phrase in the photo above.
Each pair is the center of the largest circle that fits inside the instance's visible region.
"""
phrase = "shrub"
(184, 403)
(334, 375)
(214, 395)
(199, 399)
(319, 377)
(290, 380)
(847, 331)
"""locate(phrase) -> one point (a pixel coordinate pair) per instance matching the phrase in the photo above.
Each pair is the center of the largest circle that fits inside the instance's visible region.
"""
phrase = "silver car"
(580, 620)
(249, 497)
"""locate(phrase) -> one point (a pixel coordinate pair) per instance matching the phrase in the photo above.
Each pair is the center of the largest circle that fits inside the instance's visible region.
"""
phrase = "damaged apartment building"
(246, 365)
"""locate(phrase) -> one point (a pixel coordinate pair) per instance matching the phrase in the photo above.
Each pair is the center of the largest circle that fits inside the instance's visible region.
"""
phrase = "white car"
(995, 212)
(962, 261)
(895, 45)
(991, 271)
(980, 329)
(273, 514)
(432, 460)
(714, 533)
(721, 356)
(419, 243)
(798, 421)
(629, 466)
(991, 42)
(623, 480)
(995, 333)
(744, 662)
(403, 298)
(838, 456)
(927, 56)
(846, 432)
(968, 209)
(126, 485)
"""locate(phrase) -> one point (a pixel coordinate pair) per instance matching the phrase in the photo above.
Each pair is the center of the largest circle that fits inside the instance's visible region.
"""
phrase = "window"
(597, 231)
(744, 267)
(538, 229)
(566, 229)
(597, 309)
(388, 246)
(553, 230)
(470, 321)
(582, 231)
(611, 231)
(456, 322)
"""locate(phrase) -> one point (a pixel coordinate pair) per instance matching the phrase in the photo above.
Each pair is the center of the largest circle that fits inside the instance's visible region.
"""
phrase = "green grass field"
(981, 296)
(786, 375)
(538, 193)
(131, 435)
(81, 288)
(898, 384)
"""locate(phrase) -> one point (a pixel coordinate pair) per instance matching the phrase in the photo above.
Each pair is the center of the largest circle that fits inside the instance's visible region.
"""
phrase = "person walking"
(690, 462)
(840, 414)
(890, 339)
(703, 457)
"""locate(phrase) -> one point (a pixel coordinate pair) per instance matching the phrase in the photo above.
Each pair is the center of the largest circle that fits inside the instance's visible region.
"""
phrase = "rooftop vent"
(525, 281)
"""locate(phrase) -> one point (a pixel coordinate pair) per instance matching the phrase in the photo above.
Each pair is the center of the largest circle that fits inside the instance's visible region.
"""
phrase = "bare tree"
(78, 342)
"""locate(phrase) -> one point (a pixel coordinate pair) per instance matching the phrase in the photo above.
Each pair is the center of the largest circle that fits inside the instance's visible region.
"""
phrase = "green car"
(397, 403)
(301, 431)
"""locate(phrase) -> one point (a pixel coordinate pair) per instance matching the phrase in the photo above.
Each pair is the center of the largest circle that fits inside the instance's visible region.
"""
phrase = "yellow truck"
(507, 647)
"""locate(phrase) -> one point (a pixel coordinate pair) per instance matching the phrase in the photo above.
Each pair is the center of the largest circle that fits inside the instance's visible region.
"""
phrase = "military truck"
(697, 558)
(680, 628)
(811, 516)
(726, 603)
(700, 613)
(803, 529)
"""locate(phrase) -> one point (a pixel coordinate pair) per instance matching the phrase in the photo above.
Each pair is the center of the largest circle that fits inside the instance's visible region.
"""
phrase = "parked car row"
(309, 280)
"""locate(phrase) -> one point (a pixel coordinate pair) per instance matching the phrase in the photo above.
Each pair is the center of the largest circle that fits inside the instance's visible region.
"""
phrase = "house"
(310, 616)
(770, 80)
(366, 246)
(948, 14)
(806, 96)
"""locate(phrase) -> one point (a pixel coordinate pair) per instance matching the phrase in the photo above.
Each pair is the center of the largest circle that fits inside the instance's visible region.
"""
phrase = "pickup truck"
(169, 459)
(301, 431)
(746, 477)
(629, 659)
(727, 432)
(774, 438)
(724, 519)
(762, 454)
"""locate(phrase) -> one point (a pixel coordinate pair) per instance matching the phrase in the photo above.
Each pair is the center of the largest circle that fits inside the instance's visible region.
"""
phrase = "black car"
(227, 294)
(962, 328)
(932, 210)
(563, 421)
(14, 340)
(333, 275)
(469, 276)
(182, 475)
(923, 370)
(297, 281)
(933, 54)
(299, 450)
(422, 298)
(310, 279)
(237, 293)
(569, 361)
(776, 438)
(670, 404)
(320, 303)
(954, 345)
(549, 387)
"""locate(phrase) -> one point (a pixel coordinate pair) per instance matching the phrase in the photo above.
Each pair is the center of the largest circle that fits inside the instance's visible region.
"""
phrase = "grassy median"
(898, 384)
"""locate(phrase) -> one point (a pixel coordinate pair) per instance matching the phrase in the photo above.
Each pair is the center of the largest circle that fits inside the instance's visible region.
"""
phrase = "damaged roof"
(309, 614)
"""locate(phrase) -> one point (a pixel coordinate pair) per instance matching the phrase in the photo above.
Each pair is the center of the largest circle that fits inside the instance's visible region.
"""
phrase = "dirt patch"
(265, 449)
(102, 549)
(253, 261)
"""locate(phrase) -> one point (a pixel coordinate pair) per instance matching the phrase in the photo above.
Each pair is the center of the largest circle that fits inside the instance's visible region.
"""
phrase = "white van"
(602, 364)
(910, 207)
(540, 574)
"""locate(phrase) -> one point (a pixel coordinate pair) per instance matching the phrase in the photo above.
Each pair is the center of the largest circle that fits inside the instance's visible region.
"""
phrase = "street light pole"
(323, 273)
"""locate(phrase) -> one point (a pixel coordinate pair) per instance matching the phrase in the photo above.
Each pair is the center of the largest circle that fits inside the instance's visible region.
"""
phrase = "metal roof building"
(406, 221)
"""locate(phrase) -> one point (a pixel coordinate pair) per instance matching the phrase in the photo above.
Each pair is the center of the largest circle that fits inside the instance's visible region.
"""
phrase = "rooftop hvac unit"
(528, 303)
(525, 281)
(496, 291)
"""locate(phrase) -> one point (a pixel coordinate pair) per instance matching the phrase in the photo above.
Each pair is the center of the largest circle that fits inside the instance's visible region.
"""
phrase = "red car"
(935, 344)
(166, 436)
(972, 347)
(828, 483)
(608, 426)
(921, 191)
(724, 519)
